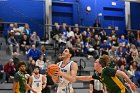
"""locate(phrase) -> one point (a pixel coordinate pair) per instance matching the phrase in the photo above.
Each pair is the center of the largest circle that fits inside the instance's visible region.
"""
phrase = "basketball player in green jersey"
(20, 83)
(113, 79)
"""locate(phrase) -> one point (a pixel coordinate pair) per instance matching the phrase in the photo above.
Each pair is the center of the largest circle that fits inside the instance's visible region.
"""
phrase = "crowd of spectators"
(122, 49)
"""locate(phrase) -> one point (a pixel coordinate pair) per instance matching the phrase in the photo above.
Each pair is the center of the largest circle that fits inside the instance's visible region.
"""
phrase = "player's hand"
(34, 91)
(43, 86)
(133, 87)
(58, 73)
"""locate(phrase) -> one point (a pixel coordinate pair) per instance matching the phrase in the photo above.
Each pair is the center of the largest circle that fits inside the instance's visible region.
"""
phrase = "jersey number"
(37, 84)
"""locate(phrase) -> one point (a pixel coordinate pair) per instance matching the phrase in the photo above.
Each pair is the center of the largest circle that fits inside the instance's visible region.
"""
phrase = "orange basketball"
(52, 69)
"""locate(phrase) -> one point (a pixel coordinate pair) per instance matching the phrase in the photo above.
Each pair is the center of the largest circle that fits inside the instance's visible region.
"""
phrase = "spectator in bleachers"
(134, 65)
(88, 48)
(40, 63)
(121, 51)
(127, 47)
(27, 30)
(16, 60)
(64, 31)
(17, 32)
(114, 41)
(134, 50)
(137, 59)
(34, 53)
(44, 52)
(47, 63)
(131, 37)
(92, 32)
(30, 66)
(88, 34)
(55, 33)
(79, 47)
(137, 76)
(122, 68)
(11, 33)
(109, 39)
(70, 32)
(97, 24)
(2, 74)
(113, 33)
(62, 42)
(130, 58)
(35, 39)
(69, 43)
(112, 52)
(122, 60)
(13, 44)
(131, 72)
(104, 47)
(9, 30)
(134, 56)
(10, 70)
(97, 44)
(6, 32)
(123, 40)
(77, 33)
(24, 44)
(84, 36)
(103, 35)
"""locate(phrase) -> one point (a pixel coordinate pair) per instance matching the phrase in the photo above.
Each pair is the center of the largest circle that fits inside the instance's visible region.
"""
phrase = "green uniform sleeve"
(109, 71)
(16, 77)
(95, 76)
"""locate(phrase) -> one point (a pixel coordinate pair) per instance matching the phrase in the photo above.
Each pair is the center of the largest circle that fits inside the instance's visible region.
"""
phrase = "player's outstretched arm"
(84, 78)
(122, 74)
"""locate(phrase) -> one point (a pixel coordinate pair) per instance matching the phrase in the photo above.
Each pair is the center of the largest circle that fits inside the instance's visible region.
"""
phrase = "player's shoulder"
(106, 69)
(72, 63)
(17, 74)
(59, 63)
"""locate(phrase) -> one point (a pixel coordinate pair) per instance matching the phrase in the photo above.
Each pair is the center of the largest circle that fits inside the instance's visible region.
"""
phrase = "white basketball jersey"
(64, 86)
(37, 84)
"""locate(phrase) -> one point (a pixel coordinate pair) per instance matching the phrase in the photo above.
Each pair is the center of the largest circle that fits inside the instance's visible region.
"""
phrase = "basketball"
(52, 69)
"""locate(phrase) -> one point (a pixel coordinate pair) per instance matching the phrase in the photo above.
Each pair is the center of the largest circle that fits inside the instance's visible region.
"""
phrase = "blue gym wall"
(74, 12)
(135, 15)
(24, 11)
(67, 11)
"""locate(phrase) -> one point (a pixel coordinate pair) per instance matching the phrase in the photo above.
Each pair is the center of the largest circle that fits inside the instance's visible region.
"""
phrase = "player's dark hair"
(71, 52)
(36, 67)
(21, 63)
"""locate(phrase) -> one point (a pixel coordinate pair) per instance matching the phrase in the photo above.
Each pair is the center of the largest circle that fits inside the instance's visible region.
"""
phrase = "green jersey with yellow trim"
(113, 83)
(19, 77)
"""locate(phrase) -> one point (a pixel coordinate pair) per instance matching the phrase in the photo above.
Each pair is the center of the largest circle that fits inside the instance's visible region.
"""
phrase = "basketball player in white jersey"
(67, 75)
(37, 81)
